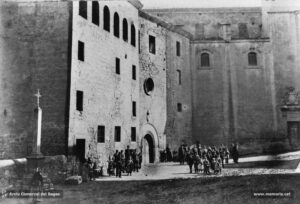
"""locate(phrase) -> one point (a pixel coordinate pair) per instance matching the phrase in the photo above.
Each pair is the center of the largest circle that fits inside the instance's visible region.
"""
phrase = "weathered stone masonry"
(34, 48)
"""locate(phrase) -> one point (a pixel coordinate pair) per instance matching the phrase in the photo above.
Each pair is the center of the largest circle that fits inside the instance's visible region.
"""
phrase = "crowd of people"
(127, 161)
(201, 158)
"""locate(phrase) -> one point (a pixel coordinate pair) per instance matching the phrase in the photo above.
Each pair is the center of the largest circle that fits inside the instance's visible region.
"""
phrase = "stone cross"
(37, 149)
(38, 96)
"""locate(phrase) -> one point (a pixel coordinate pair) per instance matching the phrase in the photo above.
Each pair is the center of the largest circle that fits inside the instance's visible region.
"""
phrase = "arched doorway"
(148, 149)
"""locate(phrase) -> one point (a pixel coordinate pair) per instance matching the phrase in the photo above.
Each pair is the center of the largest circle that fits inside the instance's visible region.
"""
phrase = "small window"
(148, 86)
(133, 72)
(133, 108)
(125, 30)
(178, 48)
(116, 25)
(132, 35)
(133, 134)
(179, 76)
(83, 9)
(95, 12)
(101, 134)
(117, 134)
(205, 60)
(117, 65)
(139, 42)
(106, 17)
(151, 44)
(252, 59)
(179, 107)
(79, 100)
(80, 51)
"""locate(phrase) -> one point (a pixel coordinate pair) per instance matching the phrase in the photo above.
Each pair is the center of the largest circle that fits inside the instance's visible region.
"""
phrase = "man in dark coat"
(118, 163)
(190, 160)
(169, 154)
(181, 154)
(235, 153)
(127, 154)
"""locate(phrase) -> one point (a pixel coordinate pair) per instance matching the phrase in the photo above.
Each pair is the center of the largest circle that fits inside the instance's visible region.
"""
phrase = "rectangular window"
(179, 76)
(139, 42)
(133, 108)
(179, 107)
(133, 72)
(101, 134)
(79, 100)
(83, 9)
(117, 134)
(133, 134)
(80, 51)
(178, 48)
(117, 66)
(151, 44)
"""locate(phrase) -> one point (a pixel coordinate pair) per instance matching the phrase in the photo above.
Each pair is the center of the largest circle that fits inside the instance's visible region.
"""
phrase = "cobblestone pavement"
(172, 170)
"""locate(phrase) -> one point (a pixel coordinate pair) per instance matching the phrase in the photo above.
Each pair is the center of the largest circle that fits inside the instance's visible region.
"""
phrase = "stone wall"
(153, 107)
(207, 23)
(284, 32)
(179, 123)
(232, 101)
(107, 96)
(34, 51)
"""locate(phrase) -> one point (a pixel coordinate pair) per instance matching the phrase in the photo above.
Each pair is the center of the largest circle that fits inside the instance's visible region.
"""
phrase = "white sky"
(149, 4)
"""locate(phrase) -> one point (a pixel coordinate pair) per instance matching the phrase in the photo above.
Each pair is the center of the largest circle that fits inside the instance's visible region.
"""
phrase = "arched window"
(83, 9)
(116, 25)
(125, 30)
(132, 35)
(205, 60)
(106, 19)
(252, 59)
(95, 12)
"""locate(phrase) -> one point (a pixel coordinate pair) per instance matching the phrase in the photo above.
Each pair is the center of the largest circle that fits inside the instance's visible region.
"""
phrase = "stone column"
(36, 157)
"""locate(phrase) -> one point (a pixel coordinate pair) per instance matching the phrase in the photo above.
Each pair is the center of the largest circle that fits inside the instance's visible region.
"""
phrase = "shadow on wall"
(265, 146)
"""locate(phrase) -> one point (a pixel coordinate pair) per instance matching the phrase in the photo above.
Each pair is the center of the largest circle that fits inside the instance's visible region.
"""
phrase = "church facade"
(112, 75)
(243, 63)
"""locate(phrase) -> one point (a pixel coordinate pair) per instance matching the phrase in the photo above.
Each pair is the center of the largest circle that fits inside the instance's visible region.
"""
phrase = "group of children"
(206, 159)
(124, 161)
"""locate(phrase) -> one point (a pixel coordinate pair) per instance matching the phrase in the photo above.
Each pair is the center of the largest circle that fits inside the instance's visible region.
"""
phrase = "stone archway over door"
(148, 149)
(149, 141)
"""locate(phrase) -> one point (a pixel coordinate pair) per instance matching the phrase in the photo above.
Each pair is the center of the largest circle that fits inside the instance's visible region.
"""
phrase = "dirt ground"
(236, 185)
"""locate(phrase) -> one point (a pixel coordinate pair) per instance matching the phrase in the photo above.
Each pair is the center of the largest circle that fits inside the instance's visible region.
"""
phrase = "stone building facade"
(104, 96)
(112, 75)
(242, 61)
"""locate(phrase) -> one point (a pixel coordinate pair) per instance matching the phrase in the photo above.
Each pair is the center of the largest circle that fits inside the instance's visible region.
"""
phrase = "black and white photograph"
(149, 101)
